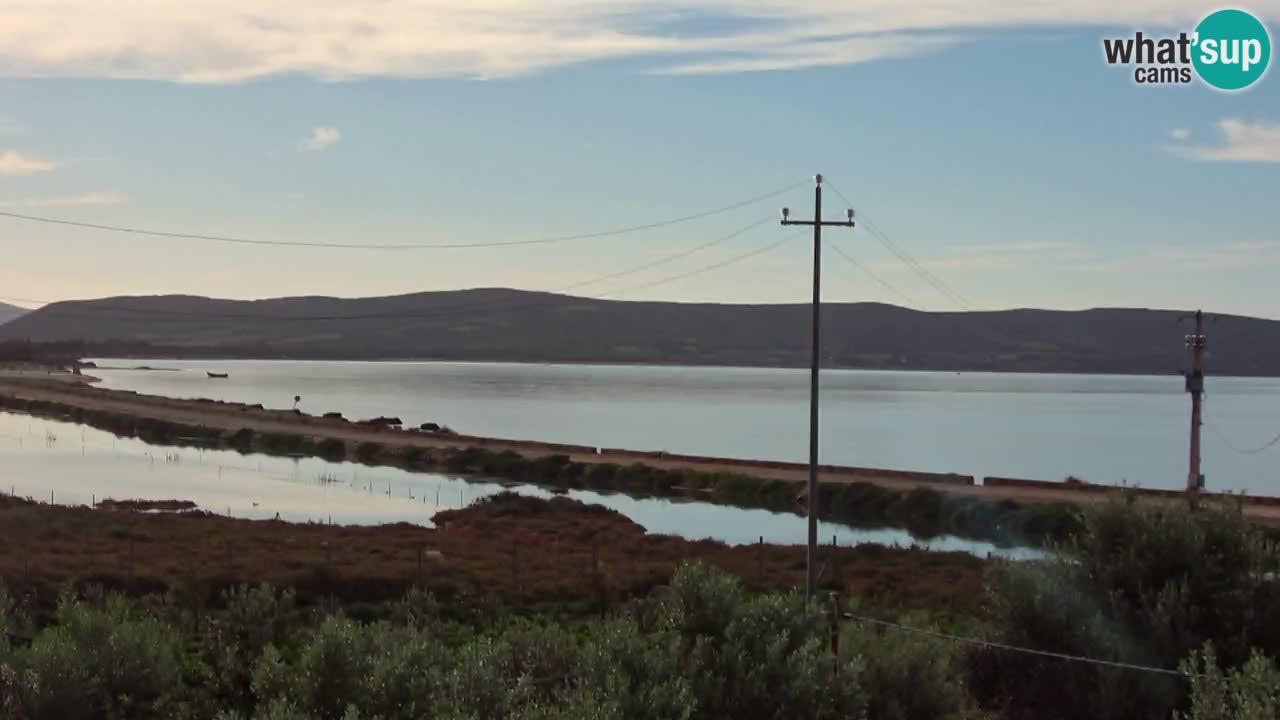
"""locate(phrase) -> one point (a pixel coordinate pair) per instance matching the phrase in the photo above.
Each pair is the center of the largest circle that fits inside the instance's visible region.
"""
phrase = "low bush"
(1140, 583)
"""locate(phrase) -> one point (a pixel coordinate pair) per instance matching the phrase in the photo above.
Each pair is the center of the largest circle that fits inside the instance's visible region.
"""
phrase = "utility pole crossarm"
(825, 223)
(811, 556)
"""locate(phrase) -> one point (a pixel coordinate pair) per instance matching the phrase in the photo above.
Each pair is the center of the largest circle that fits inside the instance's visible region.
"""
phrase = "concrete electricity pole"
(811, 557)
(1195, 385)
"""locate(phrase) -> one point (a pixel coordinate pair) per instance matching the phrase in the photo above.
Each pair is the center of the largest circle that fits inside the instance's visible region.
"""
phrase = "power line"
(1244, 451)
(708, 268)
(668, 258)
(409, 246)
(881, 281)
(458, 308)
(1023, 650)
(925, 274)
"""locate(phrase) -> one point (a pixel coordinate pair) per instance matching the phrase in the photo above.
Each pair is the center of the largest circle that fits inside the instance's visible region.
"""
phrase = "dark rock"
(384, 421)
(430, 427)
(334, 416)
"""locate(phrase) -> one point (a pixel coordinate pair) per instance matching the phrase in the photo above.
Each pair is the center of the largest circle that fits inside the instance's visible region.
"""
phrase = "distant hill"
(9, 312)
(511, 325)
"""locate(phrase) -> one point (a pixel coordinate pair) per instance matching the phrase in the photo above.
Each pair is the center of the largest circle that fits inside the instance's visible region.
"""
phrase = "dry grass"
(534, 553)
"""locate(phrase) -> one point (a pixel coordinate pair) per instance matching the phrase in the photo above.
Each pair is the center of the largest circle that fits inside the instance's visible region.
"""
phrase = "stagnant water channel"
(73, 464)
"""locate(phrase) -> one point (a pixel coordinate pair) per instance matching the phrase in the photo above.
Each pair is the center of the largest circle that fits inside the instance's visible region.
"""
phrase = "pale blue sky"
(994, 145)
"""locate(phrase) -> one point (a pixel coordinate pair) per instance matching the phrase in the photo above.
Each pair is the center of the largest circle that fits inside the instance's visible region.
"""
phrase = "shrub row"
(925, 512)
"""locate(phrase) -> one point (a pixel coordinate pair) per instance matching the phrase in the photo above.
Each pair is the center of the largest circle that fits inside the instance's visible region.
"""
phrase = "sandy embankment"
(77, 391)
(46, 374)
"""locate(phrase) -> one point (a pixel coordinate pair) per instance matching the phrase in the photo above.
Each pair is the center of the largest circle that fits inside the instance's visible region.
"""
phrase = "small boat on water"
(216, 375)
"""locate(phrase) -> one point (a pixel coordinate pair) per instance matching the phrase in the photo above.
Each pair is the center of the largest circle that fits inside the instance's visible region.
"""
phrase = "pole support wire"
(130, 230)
(1014, 648)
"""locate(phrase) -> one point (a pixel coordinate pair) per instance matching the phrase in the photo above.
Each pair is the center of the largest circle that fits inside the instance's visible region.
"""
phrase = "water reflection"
(77, 465)
(1105, 428)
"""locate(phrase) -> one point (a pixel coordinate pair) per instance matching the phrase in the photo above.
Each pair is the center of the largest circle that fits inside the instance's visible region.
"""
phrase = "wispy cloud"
(237, 40)
(81, 200)
(1180, 134)
(1242, 142)
(13, 162)
(1230, 256)
(321, 138)
(1029, 246)
(793, 55)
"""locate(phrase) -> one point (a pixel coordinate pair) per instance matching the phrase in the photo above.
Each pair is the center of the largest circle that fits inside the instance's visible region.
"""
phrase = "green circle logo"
(1232, 49)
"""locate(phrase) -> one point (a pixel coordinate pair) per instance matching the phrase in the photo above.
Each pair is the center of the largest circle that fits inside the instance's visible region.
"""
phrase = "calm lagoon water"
(77, 464)
(1107, 429)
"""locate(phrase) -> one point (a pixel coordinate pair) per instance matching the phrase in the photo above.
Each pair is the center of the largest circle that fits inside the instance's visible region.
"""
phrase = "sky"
(989, 141)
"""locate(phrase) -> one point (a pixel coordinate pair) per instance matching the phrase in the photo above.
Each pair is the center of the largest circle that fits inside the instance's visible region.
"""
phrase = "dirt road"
(230, 417)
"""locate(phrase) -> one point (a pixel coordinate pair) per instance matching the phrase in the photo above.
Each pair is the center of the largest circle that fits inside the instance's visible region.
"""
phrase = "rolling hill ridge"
(521, 326)
(10, 312)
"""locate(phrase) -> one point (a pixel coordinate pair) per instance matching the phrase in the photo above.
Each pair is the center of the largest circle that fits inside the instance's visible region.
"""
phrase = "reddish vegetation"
(527, 552)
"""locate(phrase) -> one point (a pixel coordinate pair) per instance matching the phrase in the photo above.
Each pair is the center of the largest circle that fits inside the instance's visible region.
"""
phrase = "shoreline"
(652, 364)
(1002, 510)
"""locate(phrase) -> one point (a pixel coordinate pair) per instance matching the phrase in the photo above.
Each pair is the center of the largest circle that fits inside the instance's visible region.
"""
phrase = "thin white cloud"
(1242, 142)
(231, 41)
(1022, 247)
(321, 138)
(1232, 256)
(1180, 134)
(790, 56)
(81, 200)
(13, 162)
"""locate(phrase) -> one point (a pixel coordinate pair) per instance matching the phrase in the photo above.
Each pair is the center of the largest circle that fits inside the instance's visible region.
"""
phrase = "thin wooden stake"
(760, 560)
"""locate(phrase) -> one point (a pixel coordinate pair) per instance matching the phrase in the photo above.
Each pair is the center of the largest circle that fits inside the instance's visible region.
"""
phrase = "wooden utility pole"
(1195, 385)
(811, 558)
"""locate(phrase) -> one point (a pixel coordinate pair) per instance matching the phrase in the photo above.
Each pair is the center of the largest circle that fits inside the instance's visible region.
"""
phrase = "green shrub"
(755, 658)
(495, 678)
(1141, 583)
(909, 677)
(404, 673)
(95, 662)
(639, 671)
(281, 443)
(368, 451)
(332, 449)
(1251, 692)
(330, 670)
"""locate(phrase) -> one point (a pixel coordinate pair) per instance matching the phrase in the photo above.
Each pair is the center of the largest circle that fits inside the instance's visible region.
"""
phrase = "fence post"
(760, 560)
(515, 567)
(836, 579)
(833, 609)
(596, 576)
